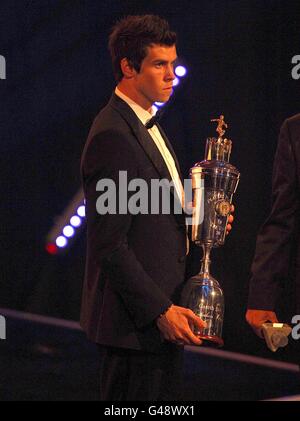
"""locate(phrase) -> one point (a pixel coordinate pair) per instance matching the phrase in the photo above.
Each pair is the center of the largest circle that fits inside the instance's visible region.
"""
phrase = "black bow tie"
(153, 120)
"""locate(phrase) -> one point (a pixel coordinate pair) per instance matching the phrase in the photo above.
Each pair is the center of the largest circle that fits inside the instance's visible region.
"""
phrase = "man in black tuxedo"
(135, 265)
(277, 255)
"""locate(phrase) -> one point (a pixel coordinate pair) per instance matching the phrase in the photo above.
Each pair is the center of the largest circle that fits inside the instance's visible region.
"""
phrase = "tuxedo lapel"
(142, 136)
(170, 147)
(147, 143)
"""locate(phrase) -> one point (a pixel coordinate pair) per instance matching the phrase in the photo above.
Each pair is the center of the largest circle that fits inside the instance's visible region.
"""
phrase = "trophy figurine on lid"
(214, 181)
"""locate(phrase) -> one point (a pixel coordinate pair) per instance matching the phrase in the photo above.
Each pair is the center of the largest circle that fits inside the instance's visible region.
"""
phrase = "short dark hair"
(131, 36)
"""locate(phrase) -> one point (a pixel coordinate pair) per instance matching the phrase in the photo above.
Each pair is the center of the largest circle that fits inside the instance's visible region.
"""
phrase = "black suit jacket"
(135, 263)
(277, 253)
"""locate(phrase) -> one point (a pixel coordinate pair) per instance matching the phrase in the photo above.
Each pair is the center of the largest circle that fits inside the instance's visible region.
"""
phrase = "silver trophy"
(214, 181)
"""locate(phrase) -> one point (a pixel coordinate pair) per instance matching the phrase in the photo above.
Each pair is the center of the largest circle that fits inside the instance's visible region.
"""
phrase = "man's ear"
(127, 68)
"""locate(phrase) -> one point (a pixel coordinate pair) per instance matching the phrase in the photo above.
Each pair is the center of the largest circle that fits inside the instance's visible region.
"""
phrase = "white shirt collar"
(142, 114)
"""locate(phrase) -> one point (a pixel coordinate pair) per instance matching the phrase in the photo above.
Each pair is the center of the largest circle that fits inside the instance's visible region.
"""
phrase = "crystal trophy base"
(203, 295)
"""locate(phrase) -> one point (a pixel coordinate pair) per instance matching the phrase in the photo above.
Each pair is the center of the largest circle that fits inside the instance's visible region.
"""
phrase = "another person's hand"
(256, 318)
(230, 221)
(176, 326)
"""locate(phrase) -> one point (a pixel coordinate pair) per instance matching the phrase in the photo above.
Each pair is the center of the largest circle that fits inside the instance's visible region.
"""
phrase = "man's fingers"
(230, 219)
(190, 339)
(193, 323)
(194, 340)
(185, 337)
(195, 319)
(272, 319)
(258, 331)
(179, 328)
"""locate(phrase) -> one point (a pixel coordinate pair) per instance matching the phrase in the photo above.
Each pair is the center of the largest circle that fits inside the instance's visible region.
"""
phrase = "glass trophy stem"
(205, 262)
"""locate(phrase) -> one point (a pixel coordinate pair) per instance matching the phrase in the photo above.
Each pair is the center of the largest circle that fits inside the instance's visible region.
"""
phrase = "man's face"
(155, 80)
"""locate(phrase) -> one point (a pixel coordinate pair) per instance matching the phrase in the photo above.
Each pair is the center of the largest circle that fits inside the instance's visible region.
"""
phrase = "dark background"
(59, 76)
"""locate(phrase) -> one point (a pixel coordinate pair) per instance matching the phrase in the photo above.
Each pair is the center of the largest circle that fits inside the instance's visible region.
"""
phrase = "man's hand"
(256, 318)
(230, 221)
(176, 326)
(230, 217)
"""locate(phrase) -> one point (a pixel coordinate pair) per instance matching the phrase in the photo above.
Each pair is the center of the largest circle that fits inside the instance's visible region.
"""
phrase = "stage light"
(51, 248)
(180, 71)
(81, 211)
(159, 104)
(61, 241)
(176, 81)
(67, 226)
(75, 221)
(68, 231)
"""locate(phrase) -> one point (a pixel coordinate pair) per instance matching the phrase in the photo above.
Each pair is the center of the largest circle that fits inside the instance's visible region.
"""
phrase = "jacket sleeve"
(106, 155)
(272, 259)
